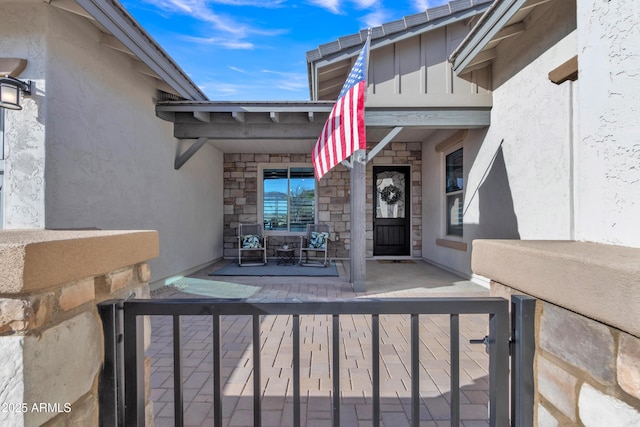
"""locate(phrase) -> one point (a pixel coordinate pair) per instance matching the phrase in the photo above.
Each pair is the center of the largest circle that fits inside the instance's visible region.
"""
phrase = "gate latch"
(484, 341)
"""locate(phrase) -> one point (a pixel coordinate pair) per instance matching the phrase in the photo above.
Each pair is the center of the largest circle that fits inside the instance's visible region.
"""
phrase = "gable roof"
(122, 32)
(338, 54)
(503, 19)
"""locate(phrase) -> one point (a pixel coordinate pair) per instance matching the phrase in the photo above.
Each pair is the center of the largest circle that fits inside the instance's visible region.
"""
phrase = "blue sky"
(252, 50)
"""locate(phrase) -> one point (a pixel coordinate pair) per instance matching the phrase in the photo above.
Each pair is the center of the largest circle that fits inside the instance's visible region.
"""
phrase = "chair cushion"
(318, 240)
(251, 241)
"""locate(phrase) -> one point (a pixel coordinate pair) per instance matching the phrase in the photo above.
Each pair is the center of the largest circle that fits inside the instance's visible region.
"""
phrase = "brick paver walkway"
(316, 381)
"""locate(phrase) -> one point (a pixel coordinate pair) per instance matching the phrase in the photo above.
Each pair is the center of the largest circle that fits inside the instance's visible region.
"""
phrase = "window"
(454, 186)
(288, 198)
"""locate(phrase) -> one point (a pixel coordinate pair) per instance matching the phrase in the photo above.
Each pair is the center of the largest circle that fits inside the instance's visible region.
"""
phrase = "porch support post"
(357, 253)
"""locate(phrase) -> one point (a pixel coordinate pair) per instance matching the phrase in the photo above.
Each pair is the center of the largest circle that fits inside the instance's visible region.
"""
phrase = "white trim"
(444, 194)
(480, 280)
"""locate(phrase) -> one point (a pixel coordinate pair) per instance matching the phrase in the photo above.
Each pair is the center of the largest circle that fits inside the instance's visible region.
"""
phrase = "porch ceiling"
(294, 127)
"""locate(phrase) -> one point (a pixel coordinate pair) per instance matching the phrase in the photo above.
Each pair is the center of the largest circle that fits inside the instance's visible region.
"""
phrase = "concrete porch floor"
(384, 279)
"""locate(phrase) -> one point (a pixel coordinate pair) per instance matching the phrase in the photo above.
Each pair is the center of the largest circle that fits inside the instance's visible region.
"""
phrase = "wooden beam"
(452, 244)
(110, 41)
(202, 116)
(311, 116)
(510, 31)
(451, 141)
(358, 249)
(333, 84)
(383, 143)
(434, 118)
(483, 57)
(142, 68)
(566, 71)
(232, 131)
(274, 116)
(533, 3)
(166, 115)
(70, 6)
(184, 157)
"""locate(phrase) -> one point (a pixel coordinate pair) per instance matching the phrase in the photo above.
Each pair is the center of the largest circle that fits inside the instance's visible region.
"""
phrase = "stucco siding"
(608, 147)
(433, 202)
(21, 36)
(109, 159)
(532, 123)
(518, 172)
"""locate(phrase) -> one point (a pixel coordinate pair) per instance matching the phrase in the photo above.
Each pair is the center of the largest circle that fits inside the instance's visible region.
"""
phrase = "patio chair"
(315, 240)
(251, 239)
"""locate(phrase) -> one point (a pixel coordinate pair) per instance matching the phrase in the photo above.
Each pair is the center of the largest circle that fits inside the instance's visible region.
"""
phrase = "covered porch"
(412, 279)
(417, 112)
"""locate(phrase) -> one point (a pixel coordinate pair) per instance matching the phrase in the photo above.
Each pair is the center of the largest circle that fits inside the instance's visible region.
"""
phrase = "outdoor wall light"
(10, 88)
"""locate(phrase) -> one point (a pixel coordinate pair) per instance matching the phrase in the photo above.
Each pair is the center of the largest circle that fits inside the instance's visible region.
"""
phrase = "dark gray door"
(391, 214)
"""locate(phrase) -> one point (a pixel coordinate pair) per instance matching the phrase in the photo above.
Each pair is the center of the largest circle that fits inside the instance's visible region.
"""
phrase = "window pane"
(289, 199)
(454, 214)
(302, 198)
(454, 178)
(275, 209)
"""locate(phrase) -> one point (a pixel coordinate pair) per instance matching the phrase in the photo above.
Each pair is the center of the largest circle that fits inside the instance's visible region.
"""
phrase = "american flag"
(343, 133)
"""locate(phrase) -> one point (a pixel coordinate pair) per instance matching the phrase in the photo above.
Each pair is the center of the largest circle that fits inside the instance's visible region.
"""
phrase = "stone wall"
(587, 362)
(586, 373)
(241, 182)
(51, 341)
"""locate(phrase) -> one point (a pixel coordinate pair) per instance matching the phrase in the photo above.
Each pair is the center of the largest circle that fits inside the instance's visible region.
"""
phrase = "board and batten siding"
(415, 72)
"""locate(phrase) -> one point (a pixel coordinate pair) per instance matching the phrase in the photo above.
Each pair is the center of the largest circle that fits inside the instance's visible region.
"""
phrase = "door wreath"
(390, 194)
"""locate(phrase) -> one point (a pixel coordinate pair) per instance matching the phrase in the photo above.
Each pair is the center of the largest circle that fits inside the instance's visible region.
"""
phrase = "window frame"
(260, 207)
(446, 195)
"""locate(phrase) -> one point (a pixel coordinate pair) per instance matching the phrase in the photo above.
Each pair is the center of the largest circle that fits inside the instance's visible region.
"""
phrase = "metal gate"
(122, 385)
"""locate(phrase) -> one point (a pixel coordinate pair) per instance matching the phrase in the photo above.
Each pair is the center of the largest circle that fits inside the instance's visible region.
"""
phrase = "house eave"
(494, 19)
(115, 19)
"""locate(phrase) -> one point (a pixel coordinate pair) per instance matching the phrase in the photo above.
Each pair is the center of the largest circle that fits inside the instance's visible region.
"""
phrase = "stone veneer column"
(587, 363)
(51, 342)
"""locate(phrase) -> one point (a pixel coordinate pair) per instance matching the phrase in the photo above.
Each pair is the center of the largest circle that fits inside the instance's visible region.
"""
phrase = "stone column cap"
(33, 260)
(597, 280)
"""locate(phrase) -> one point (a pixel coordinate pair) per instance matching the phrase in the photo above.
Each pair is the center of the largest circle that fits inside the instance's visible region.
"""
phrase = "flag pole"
(358, 218)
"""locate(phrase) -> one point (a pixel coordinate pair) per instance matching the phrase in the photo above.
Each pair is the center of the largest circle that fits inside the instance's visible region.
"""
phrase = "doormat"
(273, 269)
(396, 261)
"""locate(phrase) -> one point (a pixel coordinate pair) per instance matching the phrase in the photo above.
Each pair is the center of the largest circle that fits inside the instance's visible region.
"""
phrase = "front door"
(391, 215)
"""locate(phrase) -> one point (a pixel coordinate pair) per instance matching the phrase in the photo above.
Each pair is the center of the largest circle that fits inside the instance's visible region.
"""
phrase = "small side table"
(286, 256)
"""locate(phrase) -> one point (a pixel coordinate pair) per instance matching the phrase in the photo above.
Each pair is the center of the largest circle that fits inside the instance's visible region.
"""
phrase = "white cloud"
(292, 82)
(228, 43)
(240, 70)
(232, 33)
(422, 5)
(374, 19)
(332, 6)
(255, 3)
(366, 4)
(336, 6)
